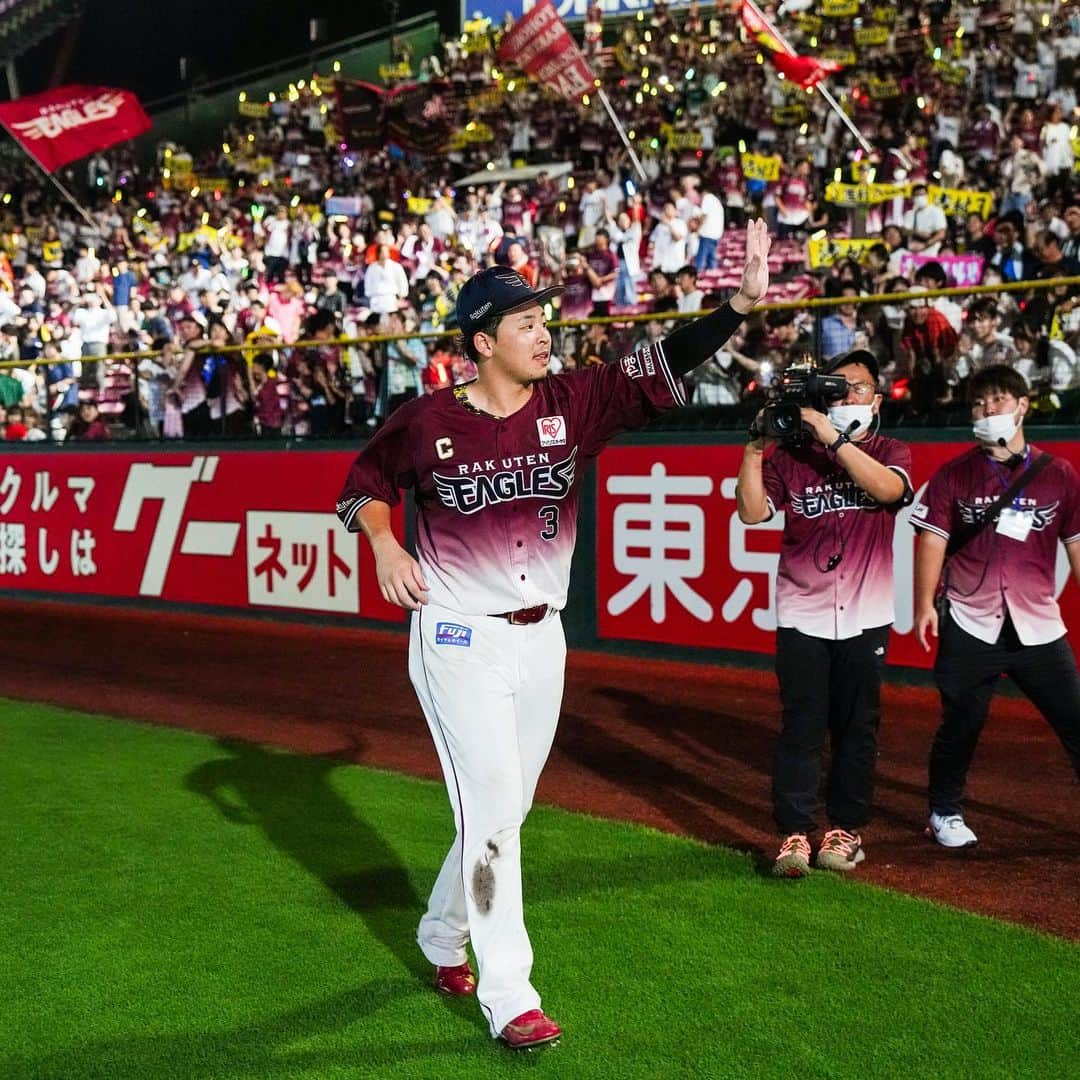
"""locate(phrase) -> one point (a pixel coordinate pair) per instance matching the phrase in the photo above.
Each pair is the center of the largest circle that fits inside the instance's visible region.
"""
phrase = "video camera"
(801, 384)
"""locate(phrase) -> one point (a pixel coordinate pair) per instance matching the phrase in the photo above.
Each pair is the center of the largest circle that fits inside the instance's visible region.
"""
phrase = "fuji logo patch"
(552, 430)
(448, 633)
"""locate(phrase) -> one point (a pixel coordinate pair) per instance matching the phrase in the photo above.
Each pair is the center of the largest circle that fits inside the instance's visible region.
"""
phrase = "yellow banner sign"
(400, 70)
(953, 74)
(789, 115)
(416, 205)
(884, 16)
(882, 89)
(474, 132)
(829, 250)
(872, 35)
(253, 108)
(865, 194)
(847, 57)
(761, 167)
(838, 9)
(956, 201)
(681, 140)
(810, 24)
(212, 183)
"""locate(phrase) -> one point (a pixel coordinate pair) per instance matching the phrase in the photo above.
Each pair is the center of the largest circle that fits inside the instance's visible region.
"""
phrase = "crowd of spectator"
(215, 261)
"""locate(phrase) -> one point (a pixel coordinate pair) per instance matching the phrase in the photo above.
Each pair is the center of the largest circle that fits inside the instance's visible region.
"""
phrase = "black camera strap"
(963, 537)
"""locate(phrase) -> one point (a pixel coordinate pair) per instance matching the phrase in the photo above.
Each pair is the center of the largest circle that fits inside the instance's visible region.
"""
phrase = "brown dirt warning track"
(682, 747)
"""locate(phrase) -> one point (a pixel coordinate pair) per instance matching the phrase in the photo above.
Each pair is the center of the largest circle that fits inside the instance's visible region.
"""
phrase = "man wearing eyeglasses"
(1003, 617)
(840, 487)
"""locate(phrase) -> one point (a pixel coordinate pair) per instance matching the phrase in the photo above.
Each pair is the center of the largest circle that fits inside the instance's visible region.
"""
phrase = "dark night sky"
(137, 43)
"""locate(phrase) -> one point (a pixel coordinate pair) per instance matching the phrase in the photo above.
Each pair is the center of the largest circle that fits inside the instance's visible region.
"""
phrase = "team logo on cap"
(480, 312)
(510, 277)
(552, 430)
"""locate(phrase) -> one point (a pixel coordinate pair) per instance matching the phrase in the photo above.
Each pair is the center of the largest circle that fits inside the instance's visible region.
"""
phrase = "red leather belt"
(524, 616)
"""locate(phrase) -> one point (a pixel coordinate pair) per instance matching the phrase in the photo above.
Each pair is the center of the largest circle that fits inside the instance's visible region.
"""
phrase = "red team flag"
(68, 123)
(807, 71)
(541, 46)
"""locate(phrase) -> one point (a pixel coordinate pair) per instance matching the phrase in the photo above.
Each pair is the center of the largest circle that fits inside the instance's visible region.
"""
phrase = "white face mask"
(995, 430)
(921, 201)
(843, 416)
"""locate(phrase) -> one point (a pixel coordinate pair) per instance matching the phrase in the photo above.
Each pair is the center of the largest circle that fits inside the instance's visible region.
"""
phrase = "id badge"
(1015, 524)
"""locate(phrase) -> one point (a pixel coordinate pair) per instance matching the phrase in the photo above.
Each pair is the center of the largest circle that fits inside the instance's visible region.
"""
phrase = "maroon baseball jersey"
(995, 573)
(835, 577)
(497, 499)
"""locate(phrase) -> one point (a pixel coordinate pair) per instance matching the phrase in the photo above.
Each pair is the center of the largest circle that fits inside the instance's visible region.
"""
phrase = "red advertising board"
(674, 564)
(240, 530)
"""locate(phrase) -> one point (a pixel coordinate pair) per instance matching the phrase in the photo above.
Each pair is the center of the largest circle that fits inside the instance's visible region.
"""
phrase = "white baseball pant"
(491, 693)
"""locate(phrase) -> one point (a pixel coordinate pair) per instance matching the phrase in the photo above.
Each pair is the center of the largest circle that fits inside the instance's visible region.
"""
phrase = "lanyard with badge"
(1014, 521)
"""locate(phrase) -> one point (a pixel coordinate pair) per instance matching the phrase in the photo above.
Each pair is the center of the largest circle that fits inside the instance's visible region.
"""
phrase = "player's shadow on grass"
(689, 800)
(341, 1032)
(290, 798)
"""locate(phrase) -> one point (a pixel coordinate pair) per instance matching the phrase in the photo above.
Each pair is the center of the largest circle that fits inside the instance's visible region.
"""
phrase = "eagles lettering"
(470, 494)
(827, 499)
(1041, 516)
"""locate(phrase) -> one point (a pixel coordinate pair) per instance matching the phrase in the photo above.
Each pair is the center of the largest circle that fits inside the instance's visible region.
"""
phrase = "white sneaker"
(950, 831)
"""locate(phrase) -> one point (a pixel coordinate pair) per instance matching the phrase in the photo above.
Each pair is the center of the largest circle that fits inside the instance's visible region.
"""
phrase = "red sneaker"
(457, 981)
(530, 1029)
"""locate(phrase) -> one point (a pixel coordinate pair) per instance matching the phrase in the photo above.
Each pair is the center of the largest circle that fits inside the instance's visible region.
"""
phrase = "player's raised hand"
(755, 275)
(400, 578)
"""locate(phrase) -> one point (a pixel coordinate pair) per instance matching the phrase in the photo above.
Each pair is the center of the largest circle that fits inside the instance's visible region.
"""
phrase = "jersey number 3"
(550, 517)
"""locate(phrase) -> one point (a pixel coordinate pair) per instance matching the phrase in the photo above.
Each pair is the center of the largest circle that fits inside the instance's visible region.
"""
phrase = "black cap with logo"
(495, 291)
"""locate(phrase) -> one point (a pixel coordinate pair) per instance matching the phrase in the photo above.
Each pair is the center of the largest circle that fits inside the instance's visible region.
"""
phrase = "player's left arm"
(695, 342)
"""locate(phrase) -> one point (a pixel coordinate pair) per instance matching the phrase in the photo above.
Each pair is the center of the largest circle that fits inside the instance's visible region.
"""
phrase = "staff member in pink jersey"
(496, 467)
(840, 491)
(1002, 614)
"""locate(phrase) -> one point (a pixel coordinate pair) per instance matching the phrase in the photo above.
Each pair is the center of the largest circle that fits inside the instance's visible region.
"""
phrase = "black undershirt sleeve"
(697, 339)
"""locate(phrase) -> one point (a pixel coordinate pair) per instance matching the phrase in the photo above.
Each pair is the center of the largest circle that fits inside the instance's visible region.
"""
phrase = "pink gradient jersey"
(995, 573)
(497, 499)
(835, 578)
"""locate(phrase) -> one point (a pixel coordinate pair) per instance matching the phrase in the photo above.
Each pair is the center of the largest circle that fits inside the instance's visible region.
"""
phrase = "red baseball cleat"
(457, 981)
(530, 1029)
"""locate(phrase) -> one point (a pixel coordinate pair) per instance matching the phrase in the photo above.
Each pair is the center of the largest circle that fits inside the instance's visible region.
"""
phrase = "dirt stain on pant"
(483, 879)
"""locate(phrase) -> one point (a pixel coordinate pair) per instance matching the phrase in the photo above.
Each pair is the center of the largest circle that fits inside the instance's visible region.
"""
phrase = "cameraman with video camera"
(841, 485)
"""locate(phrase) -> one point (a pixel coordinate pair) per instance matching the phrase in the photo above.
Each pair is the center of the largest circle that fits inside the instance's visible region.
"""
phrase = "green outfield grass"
(177, 906)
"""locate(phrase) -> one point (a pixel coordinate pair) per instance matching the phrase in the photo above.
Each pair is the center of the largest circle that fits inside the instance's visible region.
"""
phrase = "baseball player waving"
(495, 467)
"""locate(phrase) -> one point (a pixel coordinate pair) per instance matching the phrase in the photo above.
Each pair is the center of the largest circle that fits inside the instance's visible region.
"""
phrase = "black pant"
(276, 265)
(834, 687)
(966, 671)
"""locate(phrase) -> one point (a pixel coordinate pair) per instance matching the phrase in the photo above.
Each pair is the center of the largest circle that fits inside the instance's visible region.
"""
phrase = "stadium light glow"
(337, 65)
(243, 95)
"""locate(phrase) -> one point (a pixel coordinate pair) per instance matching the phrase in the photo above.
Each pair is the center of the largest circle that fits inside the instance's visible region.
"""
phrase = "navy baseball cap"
(856, 356)
(495, 291)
